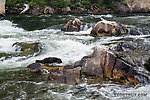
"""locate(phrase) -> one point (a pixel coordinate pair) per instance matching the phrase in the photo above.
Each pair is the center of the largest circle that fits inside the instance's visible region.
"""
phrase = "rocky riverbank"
(77, 7)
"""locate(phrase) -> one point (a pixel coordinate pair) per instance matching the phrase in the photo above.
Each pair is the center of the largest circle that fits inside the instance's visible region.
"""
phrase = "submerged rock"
(73, 25)
(26, 49)
(109, 28)
(5, 55)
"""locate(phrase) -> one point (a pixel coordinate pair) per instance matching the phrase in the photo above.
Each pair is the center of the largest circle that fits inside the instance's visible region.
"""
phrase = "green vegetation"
(62, 3)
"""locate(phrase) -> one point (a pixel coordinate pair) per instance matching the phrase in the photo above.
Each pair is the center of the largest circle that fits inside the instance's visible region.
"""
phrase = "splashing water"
(16, 83)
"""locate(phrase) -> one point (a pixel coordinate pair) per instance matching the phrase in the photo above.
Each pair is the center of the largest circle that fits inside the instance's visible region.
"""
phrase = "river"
(19, 84)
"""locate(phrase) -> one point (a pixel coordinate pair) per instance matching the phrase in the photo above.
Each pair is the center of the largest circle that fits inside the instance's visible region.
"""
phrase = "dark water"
(18, 83)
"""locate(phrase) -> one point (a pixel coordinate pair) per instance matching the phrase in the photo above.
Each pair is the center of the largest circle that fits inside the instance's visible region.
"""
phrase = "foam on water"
(70, 47)
(7, 27)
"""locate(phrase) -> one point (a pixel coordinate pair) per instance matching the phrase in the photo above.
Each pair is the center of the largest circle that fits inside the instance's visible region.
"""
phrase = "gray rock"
(48, 10)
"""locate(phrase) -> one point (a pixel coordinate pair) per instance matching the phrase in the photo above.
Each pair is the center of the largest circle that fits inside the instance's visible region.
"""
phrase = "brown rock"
(108, 28)
(106, 63)
(73, 25)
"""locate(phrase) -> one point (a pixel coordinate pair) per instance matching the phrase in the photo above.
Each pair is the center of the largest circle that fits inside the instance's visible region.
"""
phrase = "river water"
(19, 84)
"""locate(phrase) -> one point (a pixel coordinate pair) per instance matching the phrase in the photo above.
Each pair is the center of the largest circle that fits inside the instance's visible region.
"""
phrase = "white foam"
(7, 27)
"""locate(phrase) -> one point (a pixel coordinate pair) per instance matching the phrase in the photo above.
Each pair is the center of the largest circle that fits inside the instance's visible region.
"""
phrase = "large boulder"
(73, 25)
(102, 64)
(105, 63)
(109, 28)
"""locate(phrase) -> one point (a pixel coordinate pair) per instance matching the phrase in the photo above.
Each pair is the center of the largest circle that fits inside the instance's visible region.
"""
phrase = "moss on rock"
(26, 49)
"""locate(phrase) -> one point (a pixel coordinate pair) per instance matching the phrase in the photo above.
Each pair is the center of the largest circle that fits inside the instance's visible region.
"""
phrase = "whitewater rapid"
(70, 47)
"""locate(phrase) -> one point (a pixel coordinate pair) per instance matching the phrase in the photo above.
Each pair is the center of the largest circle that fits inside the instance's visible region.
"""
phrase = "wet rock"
(35, 67)
(27, 49)
(74, 72)
(135, 52)
(73, 25)
(124, 46)
(49, 60)
(5, 55)
(105, 63)
(48, 10)
(147, 65)
(62, 79)
(109, 28)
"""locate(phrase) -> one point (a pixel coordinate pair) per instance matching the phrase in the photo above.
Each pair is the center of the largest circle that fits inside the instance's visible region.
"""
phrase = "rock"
(73, 25)
(109, 28)
(36, 10)
(35, 67)
(134, 52)
(67, 9)
(73, 75)
(78, 10)
(2, 7)
(48, 10)
(105, 63)
(49, 60)
(121, 9)
(138, 5)
(6, 55)
(27, 49)
(62, 79)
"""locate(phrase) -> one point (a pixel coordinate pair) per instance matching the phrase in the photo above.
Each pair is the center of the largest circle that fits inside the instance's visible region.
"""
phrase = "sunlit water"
(17, 83)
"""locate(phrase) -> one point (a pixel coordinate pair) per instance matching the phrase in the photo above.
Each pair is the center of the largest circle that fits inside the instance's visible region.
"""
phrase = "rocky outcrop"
(138, 5)
(2, 7)
(103, 63)
(73, 25)
(109, 28)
